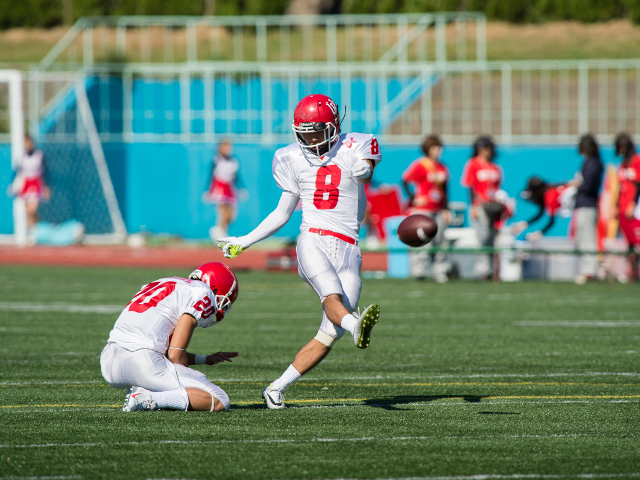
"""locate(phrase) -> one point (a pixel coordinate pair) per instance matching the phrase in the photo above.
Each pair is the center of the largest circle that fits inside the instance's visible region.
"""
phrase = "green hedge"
(517, 11)
(47, 13)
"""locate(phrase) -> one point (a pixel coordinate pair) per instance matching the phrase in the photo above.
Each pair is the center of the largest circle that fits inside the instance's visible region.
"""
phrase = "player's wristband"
(200, 360)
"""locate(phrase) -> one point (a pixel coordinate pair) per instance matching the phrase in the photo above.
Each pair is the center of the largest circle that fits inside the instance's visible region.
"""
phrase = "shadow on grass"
(387, 403)
(391, 403)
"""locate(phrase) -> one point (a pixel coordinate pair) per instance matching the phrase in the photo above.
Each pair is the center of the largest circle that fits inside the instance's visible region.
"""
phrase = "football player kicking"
(327, 171)
(147, 348)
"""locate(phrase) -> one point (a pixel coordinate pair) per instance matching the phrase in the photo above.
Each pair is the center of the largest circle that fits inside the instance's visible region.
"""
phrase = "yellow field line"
(350, 384)
(382, 400)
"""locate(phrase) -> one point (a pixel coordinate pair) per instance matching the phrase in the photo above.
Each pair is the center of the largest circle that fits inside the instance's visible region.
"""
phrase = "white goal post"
(81, 186)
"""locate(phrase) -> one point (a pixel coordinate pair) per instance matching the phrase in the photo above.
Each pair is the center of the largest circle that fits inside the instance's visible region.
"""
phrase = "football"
(417, 230)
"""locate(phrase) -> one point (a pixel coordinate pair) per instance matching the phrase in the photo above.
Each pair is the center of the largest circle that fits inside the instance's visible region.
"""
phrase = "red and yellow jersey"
(483, 178)
(430, 179)
(629, 177)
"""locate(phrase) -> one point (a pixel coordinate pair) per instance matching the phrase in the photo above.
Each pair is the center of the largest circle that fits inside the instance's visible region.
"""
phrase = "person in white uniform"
(147, 348)
(222, 188)
(327, 171)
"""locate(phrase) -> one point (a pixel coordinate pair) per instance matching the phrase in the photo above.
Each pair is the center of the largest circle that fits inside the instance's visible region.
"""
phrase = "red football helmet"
(223, 283)
(317, 113)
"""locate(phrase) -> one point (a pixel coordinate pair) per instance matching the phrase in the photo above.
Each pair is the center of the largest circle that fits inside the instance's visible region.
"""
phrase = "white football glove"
(362, 169)
(232, 246)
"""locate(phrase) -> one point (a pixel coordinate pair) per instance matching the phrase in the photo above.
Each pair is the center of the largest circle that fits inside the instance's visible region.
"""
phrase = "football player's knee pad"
(326, 339)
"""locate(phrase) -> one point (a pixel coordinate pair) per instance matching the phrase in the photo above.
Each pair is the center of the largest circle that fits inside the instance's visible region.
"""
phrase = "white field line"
(291, 440)
(489, 476)
(62, 382)
(58, 477)
(579, 323)
(59, 307)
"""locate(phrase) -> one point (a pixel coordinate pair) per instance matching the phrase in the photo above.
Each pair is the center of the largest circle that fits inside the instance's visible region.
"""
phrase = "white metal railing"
(516, 102)
(400, 38)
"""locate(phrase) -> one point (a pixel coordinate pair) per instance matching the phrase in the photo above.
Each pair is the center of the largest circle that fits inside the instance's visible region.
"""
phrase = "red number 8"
(323, 187)
(375, 149)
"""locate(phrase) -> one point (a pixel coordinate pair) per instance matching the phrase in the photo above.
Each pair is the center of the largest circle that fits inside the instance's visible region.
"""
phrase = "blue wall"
(159, 186)
(6, 175)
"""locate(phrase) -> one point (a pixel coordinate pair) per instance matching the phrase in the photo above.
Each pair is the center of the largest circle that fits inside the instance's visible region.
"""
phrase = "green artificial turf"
(462, 380)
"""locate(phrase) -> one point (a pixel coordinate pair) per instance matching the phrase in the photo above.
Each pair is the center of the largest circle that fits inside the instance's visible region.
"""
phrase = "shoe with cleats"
(140, 400)
(273, 398)
(366, 321)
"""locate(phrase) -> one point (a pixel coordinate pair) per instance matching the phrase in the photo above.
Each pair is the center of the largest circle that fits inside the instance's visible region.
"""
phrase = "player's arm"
(408, 191)
(234, 246)
(363, 170)
(177, 351)
(552, 220)
(522, 225)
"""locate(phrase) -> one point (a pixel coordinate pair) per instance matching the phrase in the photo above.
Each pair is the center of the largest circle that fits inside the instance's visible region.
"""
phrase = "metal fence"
(517, 102)
(459, 36)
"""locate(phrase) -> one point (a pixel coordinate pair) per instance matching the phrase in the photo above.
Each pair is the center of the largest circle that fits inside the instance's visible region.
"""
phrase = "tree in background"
(49, 13)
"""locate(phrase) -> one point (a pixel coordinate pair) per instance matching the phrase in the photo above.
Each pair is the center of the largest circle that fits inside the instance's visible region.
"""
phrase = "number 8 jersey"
(332, 198)
(151, 317)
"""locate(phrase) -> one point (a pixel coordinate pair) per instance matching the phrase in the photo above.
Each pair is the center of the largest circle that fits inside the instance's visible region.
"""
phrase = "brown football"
(417, 230)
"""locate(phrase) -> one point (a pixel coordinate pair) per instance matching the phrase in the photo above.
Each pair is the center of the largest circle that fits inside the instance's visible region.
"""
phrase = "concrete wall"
(159, 186)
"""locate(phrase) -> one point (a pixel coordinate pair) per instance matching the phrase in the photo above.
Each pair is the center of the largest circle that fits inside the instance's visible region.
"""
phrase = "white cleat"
(140, 400)
(366, 321)
(273, 398)
(127, 394)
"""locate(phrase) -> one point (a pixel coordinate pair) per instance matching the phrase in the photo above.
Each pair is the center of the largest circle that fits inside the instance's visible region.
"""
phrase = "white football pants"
(146, 368)
(330, 266)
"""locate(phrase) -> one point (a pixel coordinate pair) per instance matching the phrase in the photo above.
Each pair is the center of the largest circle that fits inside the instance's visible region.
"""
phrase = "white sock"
(173, 399)
(288, 377)
(348, 322)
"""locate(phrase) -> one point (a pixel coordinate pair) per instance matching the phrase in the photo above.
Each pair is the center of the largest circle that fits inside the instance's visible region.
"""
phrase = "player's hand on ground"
(220, 357)
(232, 246)
(362, 169)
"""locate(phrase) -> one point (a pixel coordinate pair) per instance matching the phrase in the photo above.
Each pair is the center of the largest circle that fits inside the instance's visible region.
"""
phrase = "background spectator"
(627, 204)
(552, 199)
(223, 189)
(483, 178)
(29, 184)
(429, 178)
(587, 206)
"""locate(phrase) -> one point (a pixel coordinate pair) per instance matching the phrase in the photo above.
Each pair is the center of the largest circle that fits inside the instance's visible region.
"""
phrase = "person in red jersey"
(483, 178)
(429, 178)
(551, 199)
(628, 212)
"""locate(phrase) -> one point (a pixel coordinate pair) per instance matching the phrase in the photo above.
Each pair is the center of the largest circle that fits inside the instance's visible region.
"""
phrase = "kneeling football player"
(327, 171)
(147, 349)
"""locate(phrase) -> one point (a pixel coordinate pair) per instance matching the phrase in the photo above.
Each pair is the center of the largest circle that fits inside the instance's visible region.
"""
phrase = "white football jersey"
(150, 318)
(332, 198)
